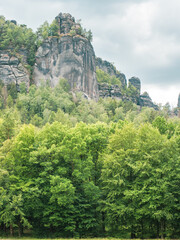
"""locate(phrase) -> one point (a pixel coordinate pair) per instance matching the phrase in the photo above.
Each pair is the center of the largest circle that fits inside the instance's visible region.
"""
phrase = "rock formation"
(67, 56)
(112, 91)
(146, 101)
(109, 68)
(135, 82)
(70, 55)
(66, 23)
(11, 68)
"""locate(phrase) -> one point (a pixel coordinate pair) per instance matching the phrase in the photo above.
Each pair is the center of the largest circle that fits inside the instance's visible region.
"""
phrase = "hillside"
(82, 153)
(62, 50)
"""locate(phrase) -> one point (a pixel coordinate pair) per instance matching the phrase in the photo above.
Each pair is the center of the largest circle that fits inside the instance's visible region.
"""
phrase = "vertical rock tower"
(70, 56)
(135, 82)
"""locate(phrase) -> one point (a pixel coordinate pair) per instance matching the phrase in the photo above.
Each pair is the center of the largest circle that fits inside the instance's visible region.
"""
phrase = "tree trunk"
(142, 230)
(20, 229)
(133, 235)
(11, 230)
(157, 230)
(162, 229)
(103, 223)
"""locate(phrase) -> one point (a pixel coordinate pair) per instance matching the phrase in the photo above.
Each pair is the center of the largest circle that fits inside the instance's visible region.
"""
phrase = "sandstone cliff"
(146, 101)
(67, 56)
(11, 68)
(135, 82)
(113, 91)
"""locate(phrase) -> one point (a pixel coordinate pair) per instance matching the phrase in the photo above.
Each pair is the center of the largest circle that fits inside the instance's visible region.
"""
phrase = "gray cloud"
(141, 37)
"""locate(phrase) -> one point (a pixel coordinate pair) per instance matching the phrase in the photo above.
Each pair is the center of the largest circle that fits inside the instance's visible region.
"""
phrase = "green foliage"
(47, 30)
(116, 179)
(17, 37)
(79, 30)
(88, 34)
(7, 125)
(103, 77)
(63, 83)
(138, 175)
(161, 124)
(72, 167)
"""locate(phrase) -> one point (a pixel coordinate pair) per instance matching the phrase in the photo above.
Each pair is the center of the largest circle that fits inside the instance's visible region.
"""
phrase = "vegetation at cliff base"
(70, 167)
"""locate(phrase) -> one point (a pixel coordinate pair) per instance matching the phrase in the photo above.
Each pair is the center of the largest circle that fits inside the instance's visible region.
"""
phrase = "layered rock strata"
(146, 101)
(66, 56)
(112, 91)
(11, 68)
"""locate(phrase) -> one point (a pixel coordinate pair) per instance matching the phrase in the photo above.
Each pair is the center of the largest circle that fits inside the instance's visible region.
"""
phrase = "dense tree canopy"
(78, 168)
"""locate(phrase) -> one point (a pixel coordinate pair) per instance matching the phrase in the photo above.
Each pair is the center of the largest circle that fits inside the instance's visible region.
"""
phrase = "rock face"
(135, 82)
(66, 23)
(112, 91)
(66, 56)
(70, 55)
(109, 68)
(146, 101)
(11, 68)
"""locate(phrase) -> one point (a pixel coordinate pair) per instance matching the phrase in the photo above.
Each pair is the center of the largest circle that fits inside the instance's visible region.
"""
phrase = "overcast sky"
(141, 37)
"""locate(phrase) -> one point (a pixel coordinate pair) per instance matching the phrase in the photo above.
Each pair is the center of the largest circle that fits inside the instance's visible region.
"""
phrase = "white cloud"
(163, 95)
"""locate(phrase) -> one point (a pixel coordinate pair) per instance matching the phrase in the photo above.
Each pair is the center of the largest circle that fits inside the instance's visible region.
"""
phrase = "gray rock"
(146, 101)
(69, 57)
(66, 22)
(112, 91)
(135, 82)
(178, 101)
(12, 70)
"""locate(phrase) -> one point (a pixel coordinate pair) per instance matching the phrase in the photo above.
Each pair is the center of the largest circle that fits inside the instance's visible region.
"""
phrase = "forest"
(72, 167)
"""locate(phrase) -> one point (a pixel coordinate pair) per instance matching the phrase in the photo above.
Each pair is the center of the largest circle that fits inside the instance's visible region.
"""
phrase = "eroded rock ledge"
(11, 68)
